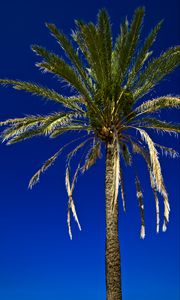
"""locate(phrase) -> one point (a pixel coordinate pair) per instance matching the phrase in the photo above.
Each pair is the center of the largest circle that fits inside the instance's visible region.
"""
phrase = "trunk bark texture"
(112, 257)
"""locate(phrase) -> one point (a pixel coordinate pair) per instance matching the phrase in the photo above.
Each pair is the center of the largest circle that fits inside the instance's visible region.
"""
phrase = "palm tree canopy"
(108, 79)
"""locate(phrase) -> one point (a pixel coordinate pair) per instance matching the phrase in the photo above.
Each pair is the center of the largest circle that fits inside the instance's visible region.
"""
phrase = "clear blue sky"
(37, 259)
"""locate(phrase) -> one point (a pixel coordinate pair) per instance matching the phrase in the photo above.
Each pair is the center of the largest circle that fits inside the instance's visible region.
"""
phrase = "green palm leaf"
(156, 70)
(126, 45)
(118, 56)
(143, 54)
(69, 128)
(157, 104)
(105, 37)
(40, 125)
(56, 65)
(158, 125)
(59, 67)
(72, 54)
(50, 94)
(89, 42)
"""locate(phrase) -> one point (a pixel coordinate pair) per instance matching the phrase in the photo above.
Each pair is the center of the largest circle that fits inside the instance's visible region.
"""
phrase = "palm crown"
(108, 79)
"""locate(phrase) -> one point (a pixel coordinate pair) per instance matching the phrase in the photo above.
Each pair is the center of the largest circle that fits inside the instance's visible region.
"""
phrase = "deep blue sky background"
(37, 259)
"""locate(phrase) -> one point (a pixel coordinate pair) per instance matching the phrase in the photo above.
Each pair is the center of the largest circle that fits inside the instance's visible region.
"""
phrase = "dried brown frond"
(141, 206)
(121, 180)
(74, 151)
(71, 205)
(156, 200)
(168, 151)
(116, 169)
(92, 156)
(138, 149)
(156, 168)
(155, 171)
(44, 167)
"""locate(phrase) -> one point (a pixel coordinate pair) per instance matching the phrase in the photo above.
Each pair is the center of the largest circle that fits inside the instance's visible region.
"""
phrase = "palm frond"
(156, 104)
(121, 180)
(61, 121)
(20, 121)
(143, 54)
(37, 125)
(79, 39)
(116, 169)
(156, 70)
(153, 123)
(123, 105)
(95, 43)
(156, 171)
(25, 135)
(59, 67)
(156, 168)
(119, 54)
(93, 154)
(126, 154)
(49, 94)
(76, 149)
(48, 163)
(168, 151)
(20, 125)
(126, 45)
(88, 40)
(153, 186)
(56, 65)
(70, 127)
(71, 205)
(66, 45)
(141, 206)
(105, 37)
(140, 150)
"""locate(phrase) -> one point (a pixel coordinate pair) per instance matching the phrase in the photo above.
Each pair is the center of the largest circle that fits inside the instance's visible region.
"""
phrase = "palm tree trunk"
(112, 257)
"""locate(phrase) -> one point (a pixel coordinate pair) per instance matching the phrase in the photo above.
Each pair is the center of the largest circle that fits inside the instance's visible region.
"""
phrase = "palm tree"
(108, 80)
